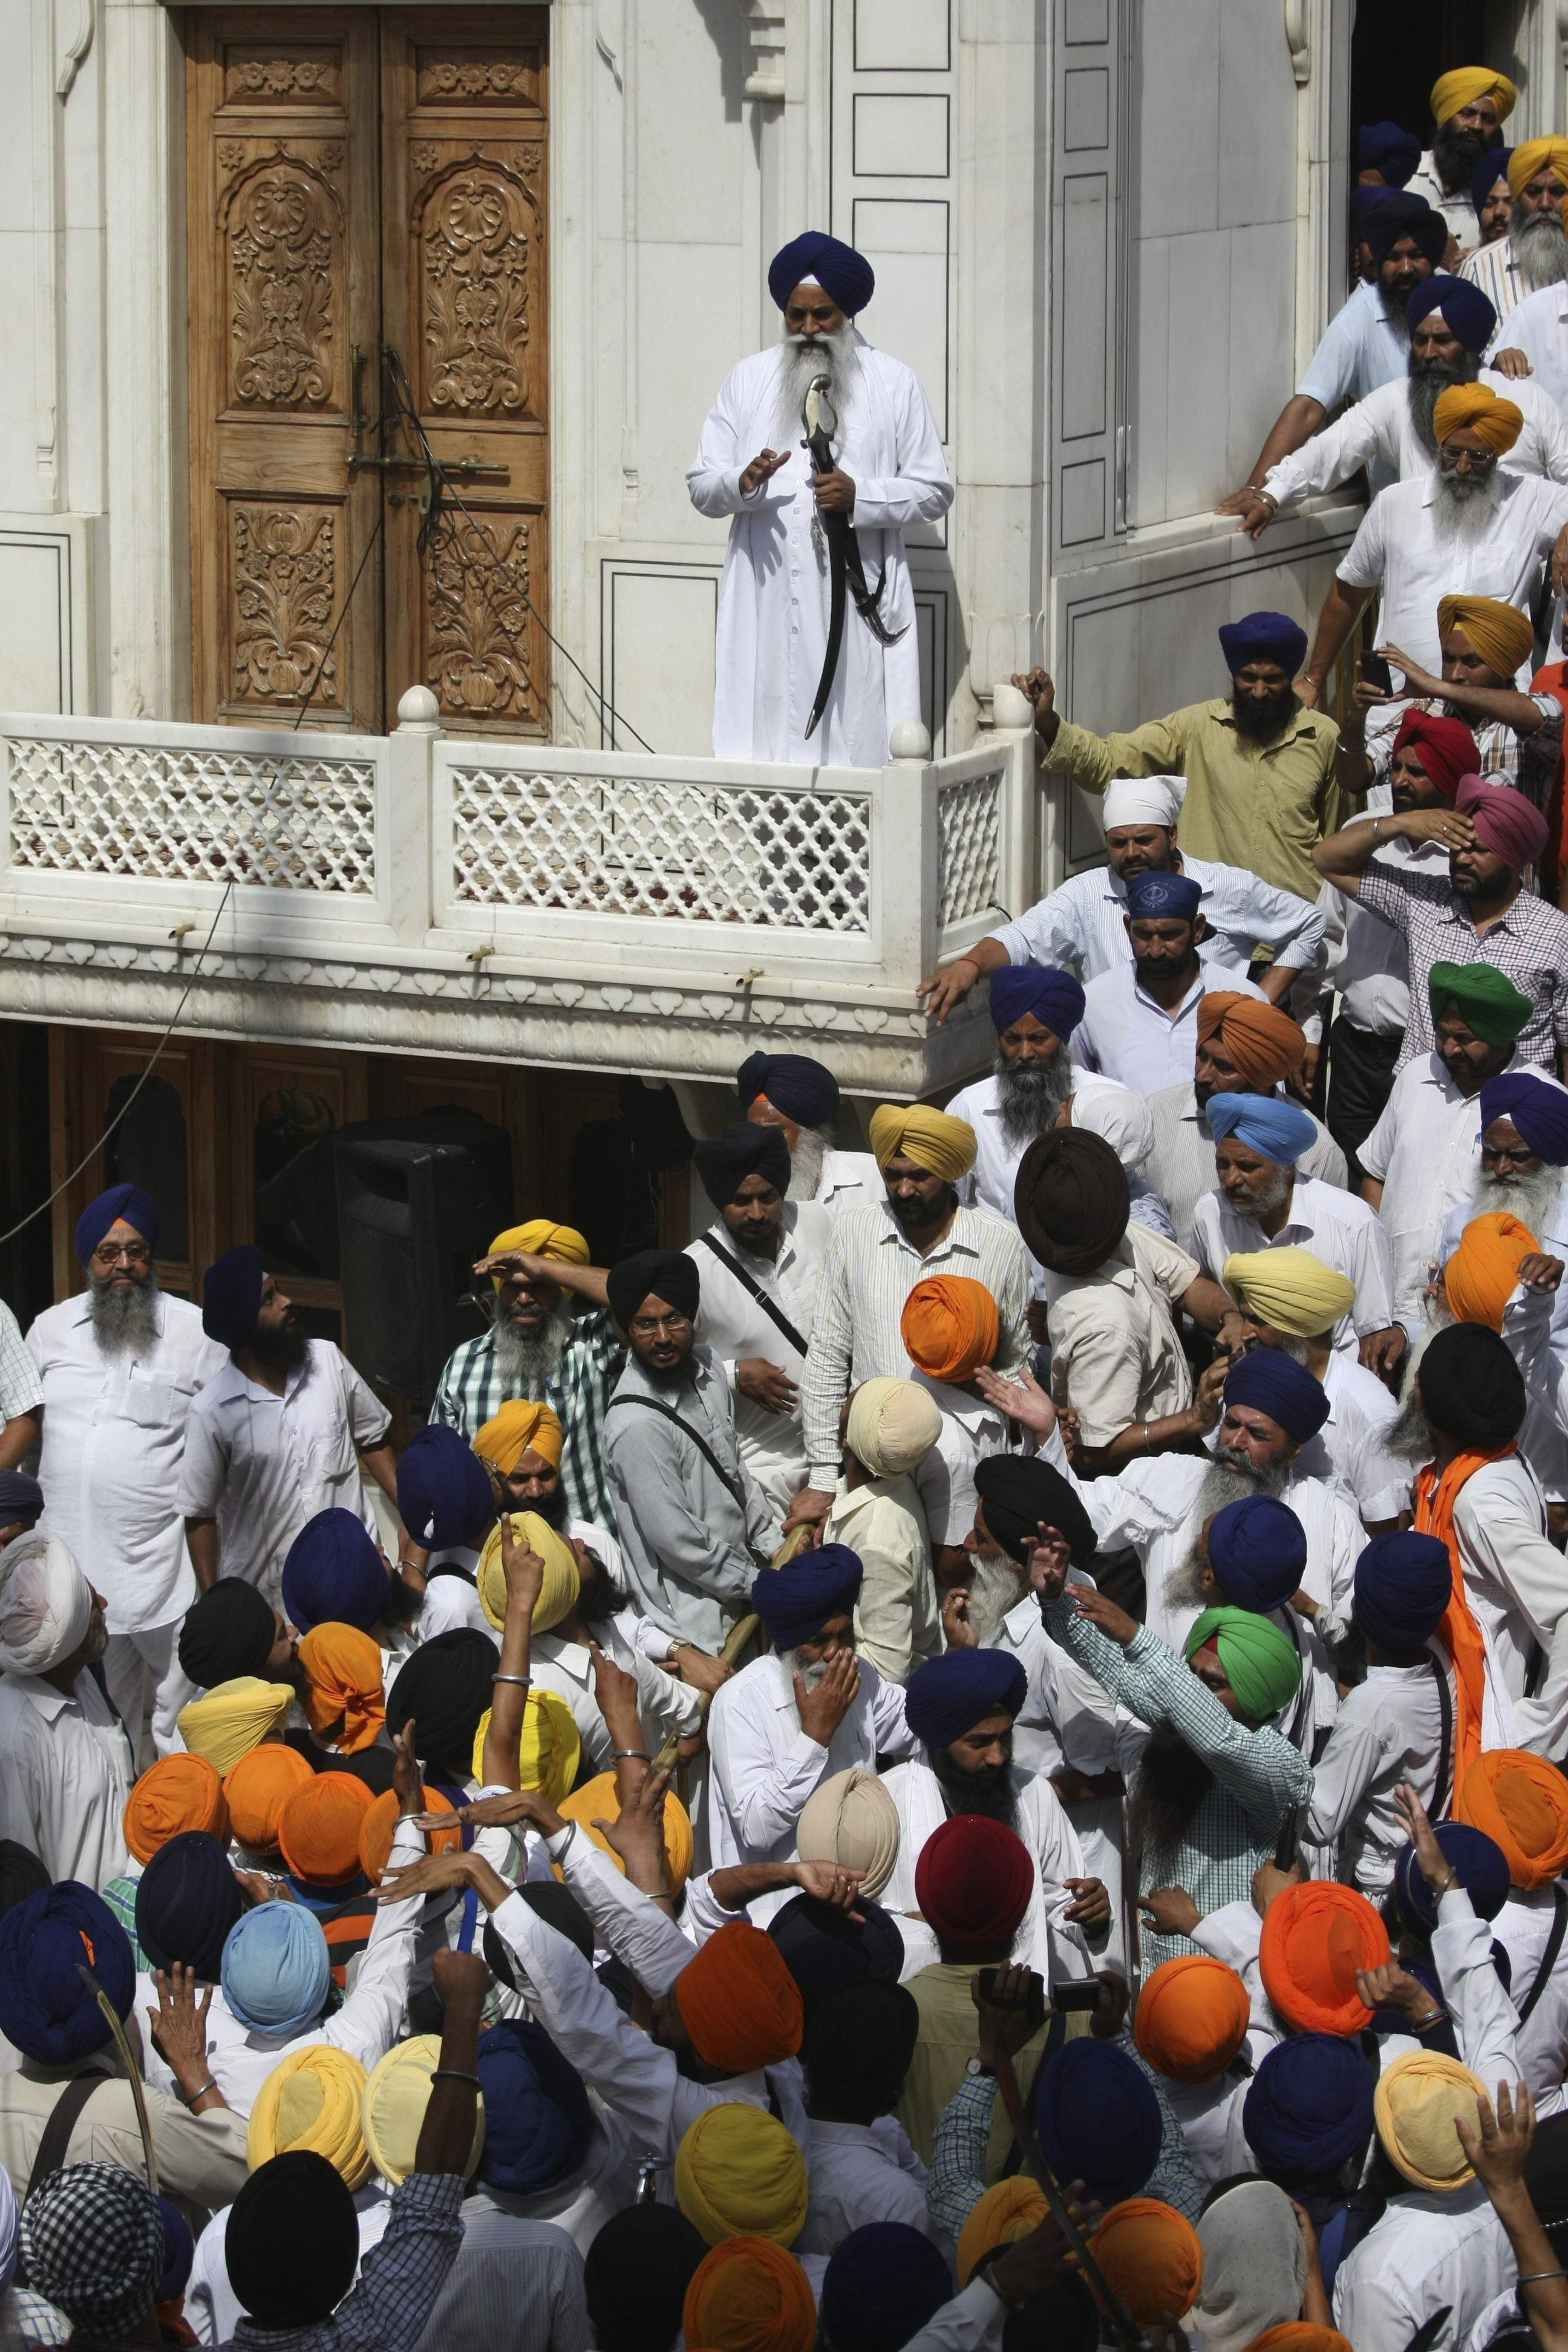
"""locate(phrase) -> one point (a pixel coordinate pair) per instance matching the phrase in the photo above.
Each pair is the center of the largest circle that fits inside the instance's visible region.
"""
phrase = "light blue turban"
(1281, 1131)
(276, 1968)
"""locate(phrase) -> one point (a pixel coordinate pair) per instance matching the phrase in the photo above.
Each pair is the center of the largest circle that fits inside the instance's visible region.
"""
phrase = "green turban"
(1262, 1663)
(1492, 1005)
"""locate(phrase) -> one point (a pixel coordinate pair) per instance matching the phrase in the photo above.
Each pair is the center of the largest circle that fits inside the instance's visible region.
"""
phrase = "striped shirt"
(472, 1392)
(1493, 268)
(1529, 945)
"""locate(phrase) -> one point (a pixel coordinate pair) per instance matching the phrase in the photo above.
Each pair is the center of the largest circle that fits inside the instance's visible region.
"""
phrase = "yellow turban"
(941, 1146)
(226, 1722)
(1450, 91)
(1536, 155)
(1479, 1277)
(1502, 635)
(850, 1819)
(596, 1800)
(563, 1583)
(549, 1751)
(392, 2108)
(1471, 408)
(892, 1426)
(739, 2173)
(1288, 1289)
(515, 1429)
(1011, 2209)
(542, 1238)
(1415, 2103)
(313, 2099)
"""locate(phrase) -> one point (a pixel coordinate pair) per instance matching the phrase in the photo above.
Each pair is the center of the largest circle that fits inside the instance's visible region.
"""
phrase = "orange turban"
(1010, 2210)
(1522, 1802)
(598, 1800)
(379, 1826)
(343, 1684)
(951, 1327)
(749, 2296)
(515, 1429)
(1315, 1937)
(1502, 635)
(318, 1828)
(1471, 408)
(1151, 2257)
(1299, 2335)
(1192, 2018)
(1480, 1276)
(177, 1793)
(258, 1788)
(739, 2001)
(1265, 1044)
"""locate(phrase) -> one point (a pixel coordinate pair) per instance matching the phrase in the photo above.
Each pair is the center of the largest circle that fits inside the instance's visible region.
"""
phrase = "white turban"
(1144, 800)
(1119, 1118)
(46, 1602)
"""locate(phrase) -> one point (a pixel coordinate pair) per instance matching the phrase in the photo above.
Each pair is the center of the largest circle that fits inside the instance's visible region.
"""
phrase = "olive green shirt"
(948, 2037)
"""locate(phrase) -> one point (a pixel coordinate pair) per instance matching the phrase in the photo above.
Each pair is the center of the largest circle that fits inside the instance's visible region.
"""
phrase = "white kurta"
(773, 599)
(730, 1322)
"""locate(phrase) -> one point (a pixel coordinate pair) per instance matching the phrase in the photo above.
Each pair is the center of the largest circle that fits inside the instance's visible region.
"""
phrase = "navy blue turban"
(947, 1695)
(668, 1275)
(537, 2115)
(1098, 2119)
(1275, 1383)
(883, 2282)
(1267, 636)
(800, 1089)
(1479, 1863)
(1385, 147)
(838, 268)
(1149, 894)
(1020, 1493)
(1055, 998)
(724, 1162)
(823, 1947)
(187, 1899)
(21, 1874)
(1400, 216)
(1310, 2106)
(1538, 1109)
(21, 1498)
(333, 1574)
(231, 1296)
(1492, 167)
(179, 2253)
(443, 1489)
(122, 1200)
(1281, 1131)
(45, 2008)
(794, 1601)
(1466, 310)
(1403, 1583)
(1258, 1550)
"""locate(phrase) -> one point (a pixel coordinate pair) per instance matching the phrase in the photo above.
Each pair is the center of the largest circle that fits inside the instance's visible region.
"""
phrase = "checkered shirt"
(399, 2280)
(472, 1392)
(1529, 946)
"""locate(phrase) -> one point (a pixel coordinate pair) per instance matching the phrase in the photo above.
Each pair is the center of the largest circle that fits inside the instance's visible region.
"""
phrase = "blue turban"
(724, 1162)
(1536, 1108)
(1385, 147)
(231, 1296)
(1309, 2106)
(179, 2253)
(187, 1899)
(794, 1601)
(1397, 215)
(1492, 167)
(1053, 997)
(838, 268)
(825, 1948)
(277, 1969)
(1364, 200)
(122, 1200)
(333, 1574)
(537, 2115)
(1264, 637)
(1479, 1862)
(800, 1089)
(1161, 894)
(1098, 2119)
(947, 1694)
(21, 1498)
(1275, 1383)
(882, 2284)
(1281, 1131)
(1403, 1583)
(1258, 1550)
(45, 2008)
(1466, 310)
(443, 1490)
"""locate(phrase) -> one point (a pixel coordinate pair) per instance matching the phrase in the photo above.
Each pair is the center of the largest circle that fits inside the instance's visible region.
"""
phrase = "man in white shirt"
(1139, 1023)
(120, 1366)
(65, 1766)
(276, 1434)
(1531, 254)
(1470, 106)
(800, 1096)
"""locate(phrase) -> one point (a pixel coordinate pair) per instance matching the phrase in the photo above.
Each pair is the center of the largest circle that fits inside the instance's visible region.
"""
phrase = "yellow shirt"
(948, 2037)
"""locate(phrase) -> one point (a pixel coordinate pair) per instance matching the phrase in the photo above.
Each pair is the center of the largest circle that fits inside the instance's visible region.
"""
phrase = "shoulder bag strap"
(63, 2117)
(1446, 1747)
(732, 1485)
(754, 1290)
(1553, 1945)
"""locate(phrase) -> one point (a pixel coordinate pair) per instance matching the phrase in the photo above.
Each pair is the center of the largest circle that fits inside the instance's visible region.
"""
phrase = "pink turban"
(1508, 824)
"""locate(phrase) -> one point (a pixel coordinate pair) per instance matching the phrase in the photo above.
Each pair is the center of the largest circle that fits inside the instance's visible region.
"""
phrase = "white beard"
(1223, 1484)
(525, 1365)
(805, 358)
(806, 1161)
(995, 1587)
(1532, 1197)
(1538, 247)
(1463, 517)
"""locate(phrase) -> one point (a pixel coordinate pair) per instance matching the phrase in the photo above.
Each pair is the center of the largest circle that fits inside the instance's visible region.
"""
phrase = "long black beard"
(1171, 1783)
(675, 1378)
(989, 1792)
(1263, 720)
(1457, 154)
(283, 1350)
(125, 1318)
(526, 1364)
(1428, 381)
(1030, 1094)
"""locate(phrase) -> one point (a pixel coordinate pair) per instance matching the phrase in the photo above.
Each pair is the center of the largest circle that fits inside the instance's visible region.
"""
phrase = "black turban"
(636, 2275)
(726, 1161)
(797, 1087)
(446, 1687)
(860, 2038)
(374, 1765)
(291, 2242)
(21, 1874)
(22, 1497)
(1471, 1388)
(668, 1275)
(227, 1632)
(187, 1899)
(1019, 1491)
(1398, 216)
(824, 1948)
(1546, 2170)
(1070, 1200)
(231, 1296)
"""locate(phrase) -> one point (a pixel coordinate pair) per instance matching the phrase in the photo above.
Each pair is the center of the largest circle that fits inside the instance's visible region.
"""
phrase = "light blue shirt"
(1361, 348)
(1081, 925)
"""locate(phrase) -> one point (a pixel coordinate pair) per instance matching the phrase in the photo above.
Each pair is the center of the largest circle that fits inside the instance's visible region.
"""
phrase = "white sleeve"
(371, 2017)
(630, 1922)
(1486, 2023)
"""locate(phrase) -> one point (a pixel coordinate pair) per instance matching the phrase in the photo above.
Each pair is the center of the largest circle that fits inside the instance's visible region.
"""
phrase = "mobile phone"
(1035, 2004)
(1376, 672)
(1076, 1994)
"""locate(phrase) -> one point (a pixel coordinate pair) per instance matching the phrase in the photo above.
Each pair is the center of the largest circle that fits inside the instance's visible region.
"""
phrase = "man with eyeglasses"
(119, 1365)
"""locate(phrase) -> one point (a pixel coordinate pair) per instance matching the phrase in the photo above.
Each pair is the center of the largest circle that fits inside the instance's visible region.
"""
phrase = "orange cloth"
(1471, 408)
(1265, 1044)
(1315, 1937)
(596, 1801)
(1299, 2335)
(517, 1429)
(739, 2001)
(1191, 2018)
(1009, 2210)
(1456, 1628)
(1151, 2257)
(318, 1830)
(1522, 1802)
(375, 1834)
(749, 2296)
(342, 1685)
(177, 1793)
(1480, 1276)
(258, 1788)
(951, 1327)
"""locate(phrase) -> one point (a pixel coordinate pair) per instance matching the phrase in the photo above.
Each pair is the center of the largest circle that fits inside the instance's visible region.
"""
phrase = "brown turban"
(1265, 1044)
(1070, 1200)
(1502, 635)
(1471, 408)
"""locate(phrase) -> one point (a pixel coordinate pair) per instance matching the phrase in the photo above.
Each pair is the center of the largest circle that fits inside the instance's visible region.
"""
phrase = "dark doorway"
(1397, 51)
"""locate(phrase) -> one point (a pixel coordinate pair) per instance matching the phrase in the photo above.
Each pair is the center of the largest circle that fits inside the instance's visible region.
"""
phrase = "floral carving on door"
(474, 240)
(282, 222)
(479, 618)
(284, 581)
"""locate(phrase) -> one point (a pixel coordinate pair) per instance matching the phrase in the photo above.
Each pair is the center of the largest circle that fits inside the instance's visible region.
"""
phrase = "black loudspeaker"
(418, 1200)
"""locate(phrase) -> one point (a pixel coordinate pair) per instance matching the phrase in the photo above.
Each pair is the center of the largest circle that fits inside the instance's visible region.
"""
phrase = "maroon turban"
(1446, 745)
(1508, 824)
(973, 1882)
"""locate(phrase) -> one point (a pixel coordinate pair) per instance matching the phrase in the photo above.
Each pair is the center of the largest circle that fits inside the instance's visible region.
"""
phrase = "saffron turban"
(46, 1604)
(518, 1429)
(814, 257)
(951, 1327)
(549, 1749)
(1505, 639)
(1281, 1131)
(1486, 1002)
(796, 1601)
(828, 1952)
(1171, 897)
(596, 1801)
(1262, 1664)
(1009, 2210)
(668, 1275)
(541, 1237)
(1521, 1802)
(1098, 2119)
(849, 1819)
(444, 1689)
(1477, 1860)
(1508, 824)
(1467, 314)
(1309, 2109)
(1192, 2018)
(1389, 221)
(277, 1969)
(1258, 1550)
(1492, 167)
(739, 2173)
(748, 1149)
(313, 2099)
(344, 1697)
(892, 1426)
(21, 1499)
(749, 2296)
(1403, 1584)
(949, 1695)
(187, 1899)
(443, 1493)
(538, 2121)
(1070, 1200)
(257, 1790)
(1384, 147)
(379, 1828)
(231, 1296)
(1019, 1493)
(739, 2002)
(562, 1578)
(177, 1793)
(1536, 155)
(1266, 637)
(1289, 1289)
(1471, 1388)
(121, 1205)
(234, 1717)
(1315, 1937)
(1055, 998)
(92, 2236)
(1271, 1381)
(1416, 2101)
(333, 1572)
(1141, 800)
(1445, 747)
(391, 2111)
(45, 2008)
(228, 1633)
(318, 1827)
(941, 1146)
(974, 1879)
(1538, 1109)
(1464, 84)
(883, 2282)
(1480, 1276)
(1151, 2257)
(1471, 408)
(299, 2201)
(798, 1088)
(1265, 1044)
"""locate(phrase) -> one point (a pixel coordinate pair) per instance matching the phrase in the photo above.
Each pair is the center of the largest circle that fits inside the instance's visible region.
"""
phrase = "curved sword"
(845, 572)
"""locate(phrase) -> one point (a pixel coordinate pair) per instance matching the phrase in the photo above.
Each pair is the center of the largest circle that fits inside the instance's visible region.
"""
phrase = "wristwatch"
(978, 2071)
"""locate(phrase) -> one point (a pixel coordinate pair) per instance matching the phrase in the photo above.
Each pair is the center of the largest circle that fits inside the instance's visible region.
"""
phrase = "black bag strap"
(451, 1568)
(1446, 1745)
(1553, 1945)
(754, 1290)
(1056, 2034)
(74, 2096)
(653, 1404)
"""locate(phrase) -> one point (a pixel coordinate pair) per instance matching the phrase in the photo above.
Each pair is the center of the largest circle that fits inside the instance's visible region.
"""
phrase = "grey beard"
(1408, 1435)
(1030, 1094)
(807, 1161)
(525, 1365)
(810, 1670)
(1428, 381)
(806, 357)
(124, 1319)
(1264, 1203)
(1223, 1483)
(1538, 247)
(1466, 507)
(1532, 1197)
(995, 1587)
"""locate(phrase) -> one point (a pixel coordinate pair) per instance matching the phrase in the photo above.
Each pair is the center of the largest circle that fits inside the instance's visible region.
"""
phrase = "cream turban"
(563, 1583)
(893, 1425)
(227, 1723)
(941, 1146)
(392, 2108)
(1415, 2103)
(850, 1820)
(46, 1604)
(313, 2099)
(1450, 91)
(1536, 155)
(1143, 800)
(1289, 1289)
